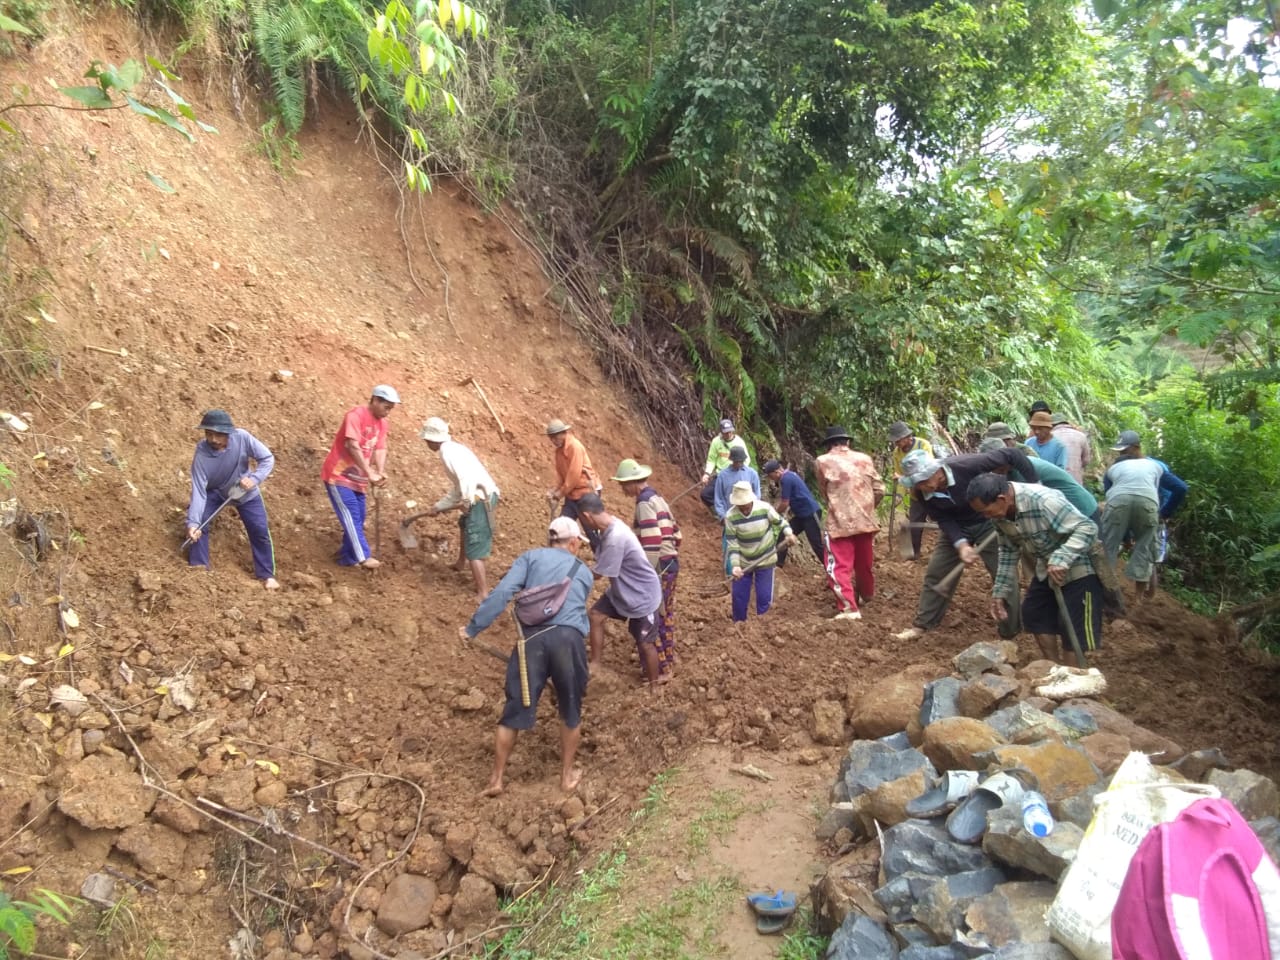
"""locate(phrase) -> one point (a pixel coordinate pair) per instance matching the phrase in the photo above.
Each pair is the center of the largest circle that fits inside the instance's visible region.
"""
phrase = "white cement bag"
(1137, 800)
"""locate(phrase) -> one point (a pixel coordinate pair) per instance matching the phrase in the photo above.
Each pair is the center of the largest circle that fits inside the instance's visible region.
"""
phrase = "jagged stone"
(846, 888)
(157, 849)
(955, 742)
(1011, 913)
(861, 938)
(941, 906)
(1061, 769)
(839, 816)
(1023, 723)
(919, 846)
(979, 696)
(1254, 795)
(1079, 808)
(1268, 831)
(888, 705)
(1006, 841)
(1079, 722)
(887, 802)
(475, 902)
(828, 722)
(897, 897)
(874, 762)
(921, 952)
(983, 656)
(1161, 749)
(1032, 951)
(1197, 764)
(911, 934)
(940, 701)
(1106, 750)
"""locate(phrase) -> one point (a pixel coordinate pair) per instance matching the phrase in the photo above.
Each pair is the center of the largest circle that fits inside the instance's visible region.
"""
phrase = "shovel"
(907, 549)
(1070, 627)
(944, 586)
(236, 493)
(684, 493)
(408, 539)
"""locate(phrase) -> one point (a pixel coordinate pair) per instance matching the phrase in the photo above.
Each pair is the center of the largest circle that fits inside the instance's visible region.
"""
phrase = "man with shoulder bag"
(550, 586)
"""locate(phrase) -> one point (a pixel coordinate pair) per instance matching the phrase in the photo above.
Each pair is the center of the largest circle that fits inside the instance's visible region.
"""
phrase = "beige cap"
(565, 528)
(742, 494)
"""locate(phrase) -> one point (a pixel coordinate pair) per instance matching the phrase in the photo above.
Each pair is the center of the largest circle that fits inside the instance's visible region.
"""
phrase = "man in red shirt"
(357, 460)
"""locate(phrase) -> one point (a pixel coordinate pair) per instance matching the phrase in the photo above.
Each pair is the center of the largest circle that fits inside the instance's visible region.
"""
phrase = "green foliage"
(280, 149)
(1227, 530)
(18, 919)
(803, 943)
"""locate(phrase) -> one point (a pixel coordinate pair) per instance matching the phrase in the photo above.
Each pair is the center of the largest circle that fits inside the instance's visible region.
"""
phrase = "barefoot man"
(555, 650)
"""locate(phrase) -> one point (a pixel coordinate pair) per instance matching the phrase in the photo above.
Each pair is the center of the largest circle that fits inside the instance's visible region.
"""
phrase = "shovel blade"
(408, 539)
(906, 549)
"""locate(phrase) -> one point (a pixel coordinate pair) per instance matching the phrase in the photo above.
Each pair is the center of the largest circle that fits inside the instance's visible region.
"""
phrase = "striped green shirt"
(753, 536)
(1045, 527)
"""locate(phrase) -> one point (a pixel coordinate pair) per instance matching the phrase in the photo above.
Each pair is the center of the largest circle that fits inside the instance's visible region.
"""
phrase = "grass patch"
(802, 943)
(716, 821)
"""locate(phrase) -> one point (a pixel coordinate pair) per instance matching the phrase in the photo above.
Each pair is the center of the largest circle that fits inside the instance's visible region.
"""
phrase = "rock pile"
(904, 888)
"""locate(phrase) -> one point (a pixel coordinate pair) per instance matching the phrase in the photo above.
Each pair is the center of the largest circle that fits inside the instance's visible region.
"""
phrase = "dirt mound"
(340, 724)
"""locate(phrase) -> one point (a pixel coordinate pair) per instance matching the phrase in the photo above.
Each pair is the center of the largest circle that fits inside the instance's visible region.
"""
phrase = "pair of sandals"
(773, 910)
(967, 799)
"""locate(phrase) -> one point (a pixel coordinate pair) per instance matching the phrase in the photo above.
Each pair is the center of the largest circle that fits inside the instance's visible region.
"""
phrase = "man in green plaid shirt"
(1041, 524)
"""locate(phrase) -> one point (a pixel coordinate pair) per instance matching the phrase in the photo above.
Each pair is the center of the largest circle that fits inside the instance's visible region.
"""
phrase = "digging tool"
(502, 431)
(1068, 625)
(235, 494)
(408, 540)
(486, 648)
(944, 586)
(684, 493)
(907, 549)
(377, 523)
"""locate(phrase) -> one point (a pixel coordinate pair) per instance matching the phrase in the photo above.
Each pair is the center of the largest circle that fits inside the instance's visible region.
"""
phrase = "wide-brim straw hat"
(742, 494)
(557, 426)
(630, 470)
(435, 430)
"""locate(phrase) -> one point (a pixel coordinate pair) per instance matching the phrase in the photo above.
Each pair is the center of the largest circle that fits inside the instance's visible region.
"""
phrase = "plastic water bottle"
(1036, 818)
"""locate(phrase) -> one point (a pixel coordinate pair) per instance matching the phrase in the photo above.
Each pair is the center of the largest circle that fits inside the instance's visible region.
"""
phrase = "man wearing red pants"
(853, 489)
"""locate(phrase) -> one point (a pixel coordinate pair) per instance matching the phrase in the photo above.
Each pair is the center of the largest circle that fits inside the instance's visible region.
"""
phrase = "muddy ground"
(329, 274)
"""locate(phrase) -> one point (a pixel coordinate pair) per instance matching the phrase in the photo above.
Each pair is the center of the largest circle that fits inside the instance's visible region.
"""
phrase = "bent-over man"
(806, 512)
(634, 593)
(221, 463)
(964, 535)
(1132, 488)
(1039, 522)
(554, 649)
(474, 493)
(357, 460)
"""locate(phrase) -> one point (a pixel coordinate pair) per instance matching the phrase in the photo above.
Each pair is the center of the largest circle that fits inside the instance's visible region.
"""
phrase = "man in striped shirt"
(660, 537)
(753, 528)
(1039, 522)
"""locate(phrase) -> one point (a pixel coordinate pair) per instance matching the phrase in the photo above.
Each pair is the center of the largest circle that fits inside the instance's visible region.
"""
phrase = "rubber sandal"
(772, 925)
(948, 790)
(968, 822)
(780, 903)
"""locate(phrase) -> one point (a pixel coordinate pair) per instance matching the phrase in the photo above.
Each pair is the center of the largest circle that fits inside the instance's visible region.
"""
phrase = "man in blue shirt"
(806, 514)
(220, 465)
(554, 650)
(1043, 442)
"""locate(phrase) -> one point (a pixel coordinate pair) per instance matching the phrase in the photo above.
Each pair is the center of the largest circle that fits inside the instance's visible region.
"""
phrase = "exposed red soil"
(243, 273)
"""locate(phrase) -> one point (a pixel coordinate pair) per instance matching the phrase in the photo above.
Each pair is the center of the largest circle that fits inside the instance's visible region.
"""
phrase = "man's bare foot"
(493, 789)
(663, 678)
(569, 782)
(271, 583)
(371, 563)
(460, 566)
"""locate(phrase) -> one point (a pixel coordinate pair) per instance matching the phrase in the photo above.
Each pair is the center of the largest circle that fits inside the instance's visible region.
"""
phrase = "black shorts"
(643, 629)
(558, 654)
(1083, 598)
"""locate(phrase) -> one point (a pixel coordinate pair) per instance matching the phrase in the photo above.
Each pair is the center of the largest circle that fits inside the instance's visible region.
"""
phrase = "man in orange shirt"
(574, 475)
(357, 460)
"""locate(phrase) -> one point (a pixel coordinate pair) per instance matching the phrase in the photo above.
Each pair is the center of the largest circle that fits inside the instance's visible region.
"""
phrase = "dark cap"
(1127, 439)
(771, 465)
(1040, 407)
(899, 430)
(737, 453)
(833, 434)
(219, 421)
(590, 503)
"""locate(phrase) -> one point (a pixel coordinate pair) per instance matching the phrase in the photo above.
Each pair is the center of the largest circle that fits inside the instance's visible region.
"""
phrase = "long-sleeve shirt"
(850, 482)
(949, 508)
(1046, 526)
(1051, 450)
(1079, 452)
(899, 454)
(718, 454)
(656, 528)
(725, 480)
(1172, 490)
(471, 481)
(1055, 478)
(218, 470)
(1139, 476)
(753, 536)
(533, 568)
(574, 473)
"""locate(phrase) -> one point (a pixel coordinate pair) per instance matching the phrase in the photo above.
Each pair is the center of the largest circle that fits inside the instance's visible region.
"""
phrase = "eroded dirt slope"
(211, 291)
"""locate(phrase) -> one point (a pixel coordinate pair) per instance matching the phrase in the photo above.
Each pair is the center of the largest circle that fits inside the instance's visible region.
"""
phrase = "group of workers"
(1014, 500)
